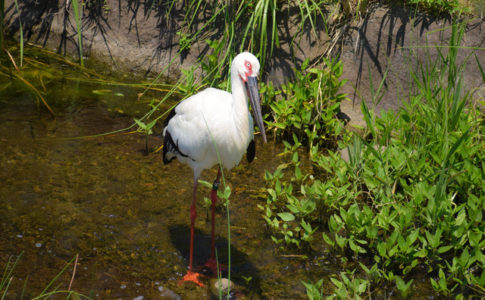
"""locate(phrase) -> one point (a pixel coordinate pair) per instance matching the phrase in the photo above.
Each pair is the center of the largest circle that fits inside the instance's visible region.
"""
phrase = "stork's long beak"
(253, 93)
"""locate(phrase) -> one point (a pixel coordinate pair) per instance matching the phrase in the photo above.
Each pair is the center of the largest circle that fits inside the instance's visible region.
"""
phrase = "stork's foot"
(192, 277)
(210, 267)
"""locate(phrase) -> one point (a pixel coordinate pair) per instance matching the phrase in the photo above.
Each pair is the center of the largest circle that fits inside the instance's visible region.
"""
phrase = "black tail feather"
(251, 151)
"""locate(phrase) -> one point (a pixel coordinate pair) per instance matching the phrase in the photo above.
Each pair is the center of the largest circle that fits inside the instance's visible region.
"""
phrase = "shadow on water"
(240, 263)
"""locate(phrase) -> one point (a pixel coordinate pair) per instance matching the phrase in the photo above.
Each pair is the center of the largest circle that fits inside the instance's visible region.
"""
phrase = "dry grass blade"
(36, 91)
(73, 272)
(11, 59)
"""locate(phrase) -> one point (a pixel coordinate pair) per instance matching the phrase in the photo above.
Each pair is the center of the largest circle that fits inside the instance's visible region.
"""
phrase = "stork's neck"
(240, 103)
(239, 94)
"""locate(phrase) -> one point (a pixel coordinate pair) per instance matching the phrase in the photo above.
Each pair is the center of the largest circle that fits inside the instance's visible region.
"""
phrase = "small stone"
(168, 294)
(222, 284)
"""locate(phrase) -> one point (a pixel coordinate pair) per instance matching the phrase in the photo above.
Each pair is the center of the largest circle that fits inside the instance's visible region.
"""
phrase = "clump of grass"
(6, 279)
(48, 292)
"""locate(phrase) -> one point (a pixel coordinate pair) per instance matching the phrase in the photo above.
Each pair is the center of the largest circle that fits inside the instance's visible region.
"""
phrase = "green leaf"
(286, 216)
(140, 124)
(327, 239)
(341, 241)
(442, 281)
(402, 286)
(227, 192)
(306, 226)
(444, 249)
(381, 248)
(101, 92)
(474, 237)
(412, 237)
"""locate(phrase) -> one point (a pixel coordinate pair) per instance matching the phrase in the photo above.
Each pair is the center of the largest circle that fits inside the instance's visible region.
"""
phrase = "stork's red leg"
(212, 263)
(191, 275)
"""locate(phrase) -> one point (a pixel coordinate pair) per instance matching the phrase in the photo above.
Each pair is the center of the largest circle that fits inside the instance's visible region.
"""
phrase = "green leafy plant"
(305, 117)
(310, 106)
(146, 128)
(314, 290)
(348, 286)
(412, 193)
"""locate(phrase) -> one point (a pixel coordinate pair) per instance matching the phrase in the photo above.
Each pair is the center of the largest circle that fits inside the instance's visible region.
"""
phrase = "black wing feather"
(251, 151)
(169, 117)
(169, 146)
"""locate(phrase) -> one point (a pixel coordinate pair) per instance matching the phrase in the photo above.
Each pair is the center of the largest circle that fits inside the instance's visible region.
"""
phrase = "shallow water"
(126, 215)
(122, 211)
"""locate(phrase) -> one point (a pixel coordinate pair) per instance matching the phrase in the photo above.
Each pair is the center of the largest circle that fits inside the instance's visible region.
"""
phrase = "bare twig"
(73, 272)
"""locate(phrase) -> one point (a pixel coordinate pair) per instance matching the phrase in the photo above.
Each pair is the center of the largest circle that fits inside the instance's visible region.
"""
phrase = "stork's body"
(213, 127)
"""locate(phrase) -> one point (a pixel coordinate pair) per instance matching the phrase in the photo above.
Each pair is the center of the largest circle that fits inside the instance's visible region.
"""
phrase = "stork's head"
(246, 67)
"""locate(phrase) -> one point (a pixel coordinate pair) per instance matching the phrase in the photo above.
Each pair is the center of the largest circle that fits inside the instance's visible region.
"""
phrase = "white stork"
(215, 127)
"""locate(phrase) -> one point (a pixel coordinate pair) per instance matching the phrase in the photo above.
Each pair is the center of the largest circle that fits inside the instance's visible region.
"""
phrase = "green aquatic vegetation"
(25, 77)
(6, 279)
(411, 196)
(43, 69)
(146, 128)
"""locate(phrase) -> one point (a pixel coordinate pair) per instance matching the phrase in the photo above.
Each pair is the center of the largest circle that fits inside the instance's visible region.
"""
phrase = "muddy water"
(122, 211)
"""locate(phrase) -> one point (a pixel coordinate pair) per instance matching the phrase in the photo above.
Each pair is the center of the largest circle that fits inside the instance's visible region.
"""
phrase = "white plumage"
(206, 122)
(212, 126)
